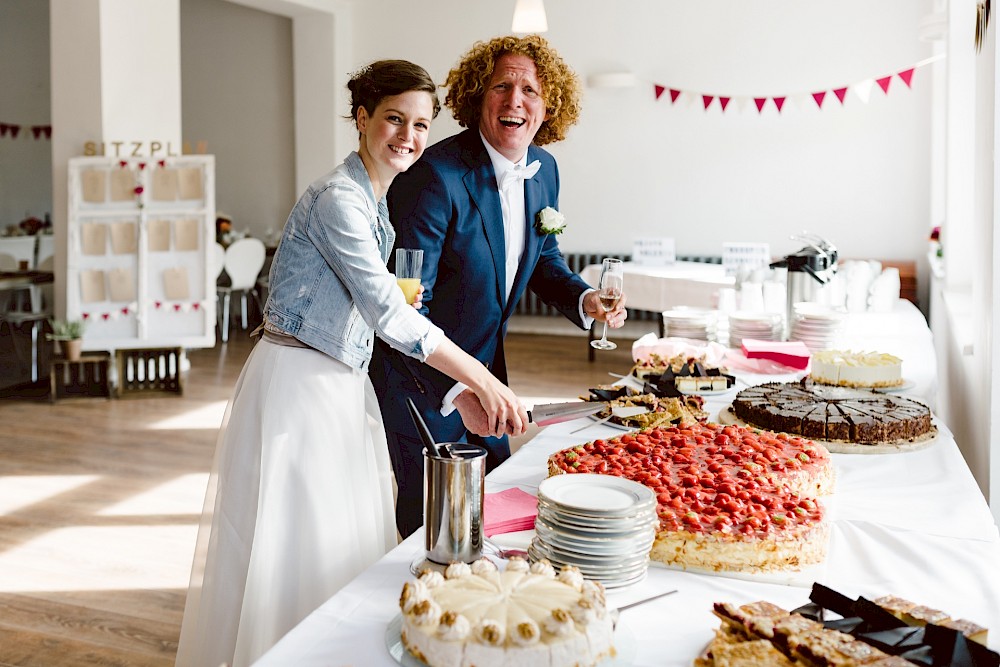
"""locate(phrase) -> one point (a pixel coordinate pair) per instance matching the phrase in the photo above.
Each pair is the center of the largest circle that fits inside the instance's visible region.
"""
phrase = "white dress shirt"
(514, 225)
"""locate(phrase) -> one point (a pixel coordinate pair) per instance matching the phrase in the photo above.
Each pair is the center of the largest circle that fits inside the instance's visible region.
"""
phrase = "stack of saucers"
(602, 524)
(696, 323)
(756, 325)
(815, 325)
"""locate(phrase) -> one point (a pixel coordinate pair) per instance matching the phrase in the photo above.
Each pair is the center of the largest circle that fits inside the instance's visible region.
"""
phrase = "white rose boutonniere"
(551, 221)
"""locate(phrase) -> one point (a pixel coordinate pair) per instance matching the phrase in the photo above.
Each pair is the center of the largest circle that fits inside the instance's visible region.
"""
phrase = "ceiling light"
(529, 17)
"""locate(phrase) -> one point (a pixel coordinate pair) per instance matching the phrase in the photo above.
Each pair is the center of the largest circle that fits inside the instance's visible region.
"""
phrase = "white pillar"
(116, 82)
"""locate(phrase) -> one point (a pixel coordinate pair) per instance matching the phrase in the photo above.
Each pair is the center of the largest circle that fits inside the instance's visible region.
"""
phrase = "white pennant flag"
(863, 89)
(801, 101)
(741, 102)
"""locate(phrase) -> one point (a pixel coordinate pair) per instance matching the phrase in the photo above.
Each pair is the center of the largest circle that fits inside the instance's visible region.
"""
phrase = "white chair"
(21, 248)
(46, 249)
(244, 260)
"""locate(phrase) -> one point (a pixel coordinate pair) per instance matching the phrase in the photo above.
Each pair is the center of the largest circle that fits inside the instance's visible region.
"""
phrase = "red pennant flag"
(706, 100)
(177, 307)
(196, 305)
(657, 88)
(125, 310)
(841, 93)
(779, 102)
(142, 165)
(819, 98)
(3, 129)
(14, 129)
(760, 102)
(906, 76)
(36, 131)
(157, 304)
(883, 83)
(48, 131)
(724, 102)
(105, 316)
(163, 163)
(122, 163)
(674, 94)
(85, 316)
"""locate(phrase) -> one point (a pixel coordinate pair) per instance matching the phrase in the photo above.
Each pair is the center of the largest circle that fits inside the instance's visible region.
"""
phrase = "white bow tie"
(519, 174)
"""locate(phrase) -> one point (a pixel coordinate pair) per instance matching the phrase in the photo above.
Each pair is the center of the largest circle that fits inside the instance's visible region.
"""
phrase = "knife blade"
(555, 413)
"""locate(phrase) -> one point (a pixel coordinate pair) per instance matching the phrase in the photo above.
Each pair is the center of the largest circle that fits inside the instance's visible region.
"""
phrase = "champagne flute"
(610, 293)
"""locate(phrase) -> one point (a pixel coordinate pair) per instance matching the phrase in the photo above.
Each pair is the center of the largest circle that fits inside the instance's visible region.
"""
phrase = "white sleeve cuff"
(448, 403)
(586, 319)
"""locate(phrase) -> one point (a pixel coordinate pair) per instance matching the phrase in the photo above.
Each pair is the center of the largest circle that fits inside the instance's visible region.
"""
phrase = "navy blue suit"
(448, 204)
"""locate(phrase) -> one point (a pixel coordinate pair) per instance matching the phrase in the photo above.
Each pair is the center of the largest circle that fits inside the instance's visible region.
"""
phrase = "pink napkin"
(508, 512)
(792, 353)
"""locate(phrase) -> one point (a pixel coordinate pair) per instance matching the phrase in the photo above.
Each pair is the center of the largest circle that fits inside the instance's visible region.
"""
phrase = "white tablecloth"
(913, 525)
(659, 288)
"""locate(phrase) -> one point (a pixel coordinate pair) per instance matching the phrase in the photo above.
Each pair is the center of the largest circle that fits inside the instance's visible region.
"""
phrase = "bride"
(300, 497)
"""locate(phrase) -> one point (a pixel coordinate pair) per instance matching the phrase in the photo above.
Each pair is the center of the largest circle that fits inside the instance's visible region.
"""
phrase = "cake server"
(555, 413)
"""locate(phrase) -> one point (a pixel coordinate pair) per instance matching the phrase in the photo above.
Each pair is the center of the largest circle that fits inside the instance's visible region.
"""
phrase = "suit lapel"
(480, 181)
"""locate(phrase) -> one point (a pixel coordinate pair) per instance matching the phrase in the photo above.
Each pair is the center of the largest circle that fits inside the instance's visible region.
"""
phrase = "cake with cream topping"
(856, 369)
(524, 615)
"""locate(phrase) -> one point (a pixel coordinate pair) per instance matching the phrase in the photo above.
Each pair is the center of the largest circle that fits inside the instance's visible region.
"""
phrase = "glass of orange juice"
(409, 261)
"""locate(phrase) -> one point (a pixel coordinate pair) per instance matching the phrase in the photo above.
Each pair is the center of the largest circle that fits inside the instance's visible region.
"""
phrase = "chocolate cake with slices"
(830, 413)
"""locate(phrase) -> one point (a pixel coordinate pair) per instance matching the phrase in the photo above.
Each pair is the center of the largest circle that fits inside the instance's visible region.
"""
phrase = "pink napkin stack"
(508, 512)
(792, 353)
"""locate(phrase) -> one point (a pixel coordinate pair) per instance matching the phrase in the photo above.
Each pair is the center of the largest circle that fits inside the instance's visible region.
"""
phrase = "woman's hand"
(419, 299)
(494, 411)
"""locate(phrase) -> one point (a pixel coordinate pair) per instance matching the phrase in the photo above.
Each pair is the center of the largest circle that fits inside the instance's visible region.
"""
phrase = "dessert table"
(911, 524)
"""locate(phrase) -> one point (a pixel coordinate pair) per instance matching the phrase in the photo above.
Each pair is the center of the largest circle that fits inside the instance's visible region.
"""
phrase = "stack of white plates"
(815, 325)
(696, 323)
(602, 524)
(755, 325)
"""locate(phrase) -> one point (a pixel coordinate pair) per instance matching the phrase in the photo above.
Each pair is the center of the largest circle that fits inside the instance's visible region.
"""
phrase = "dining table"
(913, 524)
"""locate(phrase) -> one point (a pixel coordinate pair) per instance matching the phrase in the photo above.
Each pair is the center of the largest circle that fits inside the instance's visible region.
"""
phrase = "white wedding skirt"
(299, 502)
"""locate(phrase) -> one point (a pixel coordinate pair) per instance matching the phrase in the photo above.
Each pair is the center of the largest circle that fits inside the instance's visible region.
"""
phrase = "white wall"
(236, 82)
(858, 174)
(25, 164)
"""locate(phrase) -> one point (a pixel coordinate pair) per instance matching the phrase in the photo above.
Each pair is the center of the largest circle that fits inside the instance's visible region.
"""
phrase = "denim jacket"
(329, 286)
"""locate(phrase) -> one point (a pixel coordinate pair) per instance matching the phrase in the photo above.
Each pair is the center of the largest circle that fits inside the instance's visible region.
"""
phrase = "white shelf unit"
(139, 269)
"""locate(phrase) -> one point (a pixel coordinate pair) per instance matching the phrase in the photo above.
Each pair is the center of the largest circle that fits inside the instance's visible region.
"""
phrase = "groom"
(472, 203)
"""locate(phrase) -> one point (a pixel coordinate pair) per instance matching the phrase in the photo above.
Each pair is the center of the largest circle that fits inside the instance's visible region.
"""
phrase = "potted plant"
(69, 333)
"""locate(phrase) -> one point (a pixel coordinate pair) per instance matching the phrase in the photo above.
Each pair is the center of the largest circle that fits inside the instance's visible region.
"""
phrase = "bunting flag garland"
(14, 129)
(131, 310)
(861, 88)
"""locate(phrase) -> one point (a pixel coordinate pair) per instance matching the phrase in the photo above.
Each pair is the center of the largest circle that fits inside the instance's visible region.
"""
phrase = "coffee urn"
(808, 270)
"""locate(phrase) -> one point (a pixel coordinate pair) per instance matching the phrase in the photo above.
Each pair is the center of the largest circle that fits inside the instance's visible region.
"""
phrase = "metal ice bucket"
(453, 503)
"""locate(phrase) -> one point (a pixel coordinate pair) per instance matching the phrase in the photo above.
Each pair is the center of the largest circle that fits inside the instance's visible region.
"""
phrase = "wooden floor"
(100, 500)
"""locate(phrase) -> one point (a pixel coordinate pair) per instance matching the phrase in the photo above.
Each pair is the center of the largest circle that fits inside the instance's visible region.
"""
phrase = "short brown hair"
(385, 78)
(468, 81)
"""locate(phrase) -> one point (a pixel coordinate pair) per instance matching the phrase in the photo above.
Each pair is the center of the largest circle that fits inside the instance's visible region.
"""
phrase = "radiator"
(577, 261)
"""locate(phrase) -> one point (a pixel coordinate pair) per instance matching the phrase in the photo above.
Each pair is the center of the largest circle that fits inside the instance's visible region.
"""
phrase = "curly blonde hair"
(468, 81)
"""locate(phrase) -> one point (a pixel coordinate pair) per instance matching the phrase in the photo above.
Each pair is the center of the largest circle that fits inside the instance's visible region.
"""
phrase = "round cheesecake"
(525, 615)
(856, 369)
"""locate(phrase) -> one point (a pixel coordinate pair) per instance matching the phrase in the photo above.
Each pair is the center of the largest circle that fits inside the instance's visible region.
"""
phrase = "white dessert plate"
(708, 392)
(624, 646)
(597, 494)
(906, 386)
